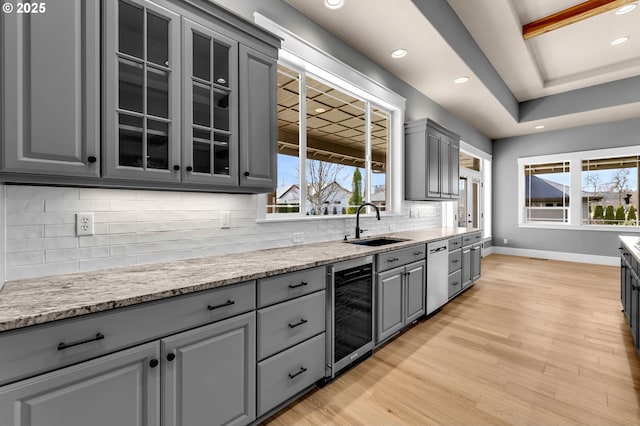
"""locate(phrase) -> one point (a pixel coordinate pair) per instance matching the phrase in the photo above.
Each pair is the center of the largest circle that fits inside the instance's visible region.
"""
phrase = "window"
(547, 192)
(343, 141)
(595, 189)
(610, 191)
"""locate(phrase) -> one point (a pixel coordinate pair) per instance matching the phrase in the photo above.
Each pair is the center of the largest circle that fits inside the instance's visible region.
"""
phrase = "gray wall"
(418, 105)
(505, 191)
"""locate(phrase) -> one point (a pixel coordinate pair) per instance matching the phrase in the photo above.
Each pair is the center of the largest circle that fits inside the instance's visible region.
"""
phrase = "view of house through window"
(610, 191)
(547, 192)
(343, 141)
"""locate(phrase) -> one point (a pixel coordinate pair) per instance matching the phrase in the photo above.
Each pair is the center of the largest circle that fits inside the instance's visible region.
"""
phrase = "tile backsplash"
(137, 227)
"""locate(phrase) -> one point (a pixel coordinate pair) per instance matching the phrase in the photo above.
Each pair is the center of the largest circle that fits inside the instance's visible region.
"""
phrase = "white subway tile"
(28, 218)
(107, 194)
(33, 271)
(76, 205)
(34, 244)
(63, 230)
(106, 263)
(76, 254)
(106, 240)
(20, 206)
(28, 258)
(30, 231)
(27, 192)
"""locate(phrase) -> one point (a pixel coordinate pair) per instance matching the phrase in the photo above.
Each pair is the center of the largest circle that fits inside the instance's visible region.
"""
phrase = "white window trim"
(305, 56)
(575, 192)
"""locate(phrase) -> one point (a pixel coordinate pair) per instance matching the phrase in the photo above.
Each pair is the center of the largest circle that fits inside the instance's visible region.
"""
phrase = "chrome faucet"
(358, 230)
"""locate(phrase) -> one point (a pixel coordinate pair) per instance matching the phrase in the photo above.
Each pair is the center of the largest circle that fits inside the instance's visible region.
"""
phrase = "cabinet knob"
(189, 168)
(171, 356)
(92, 159)
(247, 173)
(176, 167)
(153, 363)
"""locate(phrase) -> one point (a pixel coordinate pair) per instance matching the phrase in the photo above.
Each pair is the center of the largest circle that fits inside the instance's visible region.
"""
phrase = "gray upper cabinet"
(210, 139)
(141, 91)
(258, 119)
(431, 161)
(50, 101)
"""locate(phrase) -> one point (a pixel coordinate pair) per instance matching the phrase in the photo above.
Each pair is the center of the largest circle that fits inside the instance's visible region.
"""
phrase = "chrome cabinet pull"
(302, 284)
(62, 345)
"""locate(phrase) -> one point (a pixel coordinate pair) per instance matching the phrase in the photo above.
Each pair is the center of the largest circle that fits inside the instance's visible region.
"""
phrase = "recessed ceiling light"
(461, 80)
(399, 53)
(626, 9)
(333, 4)
(619, 40)
(319, 110)
(539, 127)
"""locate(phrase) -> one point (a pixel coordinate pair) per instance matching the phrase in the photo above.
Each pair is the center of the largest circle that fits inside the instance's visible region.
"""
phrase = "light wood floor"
(533, 342)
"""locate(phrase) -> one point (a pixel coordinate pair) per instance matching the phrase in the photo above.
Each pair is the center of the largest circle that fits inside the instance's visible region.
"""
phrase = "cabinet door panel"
(390, 315)
(118, 389)
(466, 267)
(141, 91)
(415, 297)
(476, 261)
(433, 165)
(210, 93)
(454, 168)
(258, 121)
(51, 113)
(445, 178)
(212, 379)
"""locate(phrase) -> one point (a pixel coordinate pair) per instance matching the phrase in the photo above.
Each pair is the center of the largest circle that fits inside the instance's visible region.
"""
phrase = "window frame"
(575, 160)
(300, 55)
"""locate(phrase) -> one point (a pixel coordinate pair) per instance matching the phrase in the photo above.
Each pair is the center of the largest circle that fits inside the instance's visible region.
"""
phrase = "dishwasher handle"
(436, 250)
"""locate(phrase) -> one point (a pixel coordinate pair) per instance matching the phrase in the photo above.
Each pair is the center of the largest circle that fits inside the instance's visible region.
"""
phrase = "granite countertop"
(630, 242)
(39, 300)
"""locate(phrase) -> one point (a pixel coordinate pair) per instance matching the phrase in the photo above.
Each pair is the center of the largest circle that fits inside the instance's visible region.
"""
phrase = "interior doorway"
(469, 208)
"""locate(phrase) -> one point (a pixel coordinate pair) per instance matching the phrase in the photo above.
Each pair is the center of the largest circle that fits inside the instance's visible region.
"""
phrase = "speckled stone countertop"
(630, 243)
(44, 299)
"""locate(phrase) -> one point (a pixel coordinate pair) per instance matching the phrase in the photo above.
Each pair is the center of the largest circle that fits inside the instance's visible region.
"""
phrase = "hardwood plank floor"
(533, 342)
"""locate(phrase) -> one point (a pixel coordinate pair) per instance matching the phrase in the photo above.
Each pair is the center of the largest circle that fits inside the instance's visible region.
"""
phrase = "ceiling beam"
(570, 16)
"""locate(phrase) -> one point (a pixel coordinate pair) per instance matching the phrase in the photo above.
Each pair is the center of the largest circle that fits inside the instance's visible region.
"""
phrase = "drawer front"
(455, 243)
(401, 257)
(472, 238)
(288, 286)
(286, 324)
(455, 260)
(455, 283)
(290, 372)
(34, 350)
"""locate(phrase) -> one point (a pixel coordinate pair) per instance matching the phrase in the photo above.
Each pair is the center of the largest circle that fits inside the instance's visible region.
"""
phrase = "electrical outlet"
(297, 237)
(225, 219)
(84, 224)
(506, 241)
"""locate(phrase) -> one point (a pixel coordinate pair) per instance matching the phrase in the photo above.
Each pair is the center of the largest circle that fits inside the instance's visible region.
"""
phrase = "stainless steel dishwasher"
(437, 274)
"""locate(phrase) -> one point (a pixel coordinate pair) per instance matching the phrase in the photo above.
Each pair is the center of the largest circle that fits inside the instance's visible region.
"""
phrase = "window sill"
(276, 219)
(604, 228)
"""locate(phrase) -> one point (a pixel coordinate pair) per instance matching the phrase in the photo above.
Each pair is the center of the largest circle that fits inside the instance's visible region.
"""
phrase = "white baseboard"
(556, 255)
(487, 251)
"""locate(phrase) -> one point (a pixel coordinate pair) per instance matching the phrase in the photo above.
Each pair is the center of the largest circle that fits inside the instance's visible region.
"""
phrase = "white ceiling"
(570, 58)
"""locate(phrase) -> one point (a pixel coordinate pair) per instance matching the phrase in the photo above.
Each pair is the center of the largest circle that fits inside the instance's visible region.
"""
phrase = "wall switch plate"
(84, 224)
(297, 237)
(225, 219)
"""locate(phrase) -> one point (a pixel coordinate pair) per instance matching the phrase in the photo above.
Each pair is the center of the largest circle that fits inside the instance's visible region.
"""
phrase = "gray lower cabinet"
(400, 298)
(209, 374)
(471, 258)
(466, 267)
(51, 113)
(118, 389)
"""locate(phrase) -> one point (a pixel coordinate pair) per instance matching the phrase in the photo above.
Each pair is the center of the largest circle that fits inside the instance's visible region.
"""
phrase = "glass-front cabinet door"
(142, 101)
(210, 92)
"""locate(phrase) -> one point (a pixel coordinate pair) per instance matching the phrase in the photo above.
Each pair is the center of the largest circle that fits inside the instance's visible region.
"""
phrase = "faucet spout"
(358, 230)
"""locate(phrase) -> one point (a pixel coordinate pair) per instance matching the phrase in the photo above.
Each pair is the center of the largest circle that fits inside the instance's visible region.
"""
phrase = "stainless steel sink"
(375, 242)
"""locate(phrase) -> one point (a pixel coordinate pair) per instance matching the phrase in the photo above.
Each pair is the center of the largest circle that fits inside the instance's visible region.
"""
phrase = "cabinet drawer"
(455, 260)
(283, 325)
(455, 283)
(290, 372)
(401, 257)
(455, 243)
(476, 238)
(288, 286)
(34, 350)
(472, 238)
